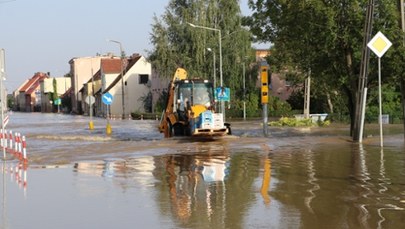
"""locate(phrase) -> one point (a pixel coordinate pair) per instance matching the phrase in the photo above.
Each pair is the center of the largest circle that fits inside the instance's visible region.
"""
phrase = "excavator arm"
(168, 117)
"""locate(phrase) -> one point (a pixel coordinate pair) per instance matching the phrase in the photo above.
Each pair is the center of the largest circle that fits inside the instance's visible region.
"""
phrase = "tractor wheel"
(178, 130)
(228, 126)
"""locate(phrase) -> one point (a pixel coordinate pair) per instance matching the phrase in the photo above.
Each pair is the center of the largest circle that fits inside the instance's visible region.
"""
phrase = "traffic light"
(264, 75)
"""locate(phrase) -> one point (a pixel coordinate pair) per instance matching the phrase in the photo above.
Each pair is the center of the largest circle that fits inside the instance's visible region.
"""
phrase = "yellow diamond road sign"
(379, 44)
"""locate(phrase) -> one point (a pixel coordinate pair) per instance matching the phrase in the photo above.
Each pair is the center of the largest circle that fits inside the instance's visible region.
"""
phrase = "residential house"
(135, 79)
(261, 54)
(81, 70)
(109, 69)
(29, 95)
(280, 87)
(48, 88)
(16, 95)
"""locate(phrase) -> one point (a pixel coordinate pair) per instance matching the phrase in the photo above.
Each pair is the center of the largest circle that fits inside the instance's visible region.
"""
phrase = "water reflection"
(17, 172)
(339, 185)
(193, 184)
(312, 180)
(264, 190)
(360, 173)
(206, 186)
(196, 181)
(385, 183)
(104, 168)
(201, 186)
(212, 185)
(4, 199)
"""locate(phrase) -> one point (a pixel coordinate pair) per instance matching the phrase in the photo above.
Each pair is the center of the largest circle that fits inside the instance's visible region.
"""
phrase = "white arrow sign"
(107, 98)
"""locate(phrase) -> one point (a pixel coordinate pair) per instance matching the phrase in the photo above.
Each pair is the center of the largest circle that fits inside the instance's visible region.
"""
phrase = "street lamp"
(2, 73)
(244, 90)
(122, 77)
(214, 71)
(220, 59)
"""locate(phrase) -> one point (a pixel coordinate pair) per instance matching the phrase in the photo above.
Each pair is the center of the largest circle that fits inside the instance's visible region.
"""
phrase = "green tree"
(392, 100)
(146, 100)
(177, 44)
(324, 39)
(55, 90)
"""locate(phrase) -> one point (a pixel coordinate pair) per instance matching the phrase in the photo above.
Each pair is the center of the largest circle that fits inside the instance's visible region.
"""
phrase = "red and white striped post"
(24, 150)
(25, 181)
(11, 140)
(5, 138)
(19, 144)
(16, 143)
(1, 137)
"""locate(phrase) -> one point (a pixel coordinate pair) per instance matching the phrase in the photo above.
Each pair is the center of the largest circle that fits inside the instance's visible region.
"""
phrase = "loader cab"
(193, 93)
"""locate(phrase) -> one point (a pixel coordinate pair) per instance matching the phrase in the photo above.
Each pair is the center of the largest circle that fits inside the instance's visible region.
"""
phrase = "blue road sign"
(223, 94)
(107, 98)
(57, 101)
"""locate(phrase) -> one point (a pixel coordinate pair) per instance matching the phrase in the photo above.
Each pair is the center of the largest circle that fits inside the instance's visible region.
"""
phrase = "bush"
(277, 107)
(294, 122)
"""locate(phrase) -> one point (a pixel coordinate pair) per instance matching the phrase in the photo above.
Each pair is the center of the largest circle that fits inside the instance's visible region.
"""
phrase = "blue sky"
(43, 35)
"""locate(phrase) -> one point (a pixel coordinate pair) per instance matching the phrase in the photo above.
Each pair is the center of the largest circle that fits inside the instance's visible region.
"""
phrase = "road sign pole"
(379, 101)
(379, 45)
(107, 100)
(2, 71)
(90, 101)
(265, 120)
(108, 129)
(91, 124)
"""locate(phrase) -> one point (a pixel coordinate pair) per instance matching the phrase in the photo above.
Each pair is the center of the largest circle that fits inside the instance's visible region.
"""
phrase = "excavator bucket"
(181, 74)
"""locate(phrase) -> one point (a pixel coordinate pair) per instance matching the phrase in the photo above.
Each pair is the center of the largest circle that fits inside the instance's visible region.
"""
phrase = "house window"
(143, 78)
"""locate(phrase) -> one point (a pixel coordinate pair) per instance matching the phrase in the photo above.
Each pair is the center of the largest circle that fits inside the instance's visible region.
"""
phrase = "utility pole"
(244, 90)
(401, 2)
(122, 76)
(2, 73)
(361, 96)
(307, 95)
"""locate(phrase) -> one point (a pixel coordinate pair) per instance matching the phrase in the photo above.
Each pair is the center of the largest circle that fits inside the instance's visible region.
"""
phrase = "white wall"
(133, 89)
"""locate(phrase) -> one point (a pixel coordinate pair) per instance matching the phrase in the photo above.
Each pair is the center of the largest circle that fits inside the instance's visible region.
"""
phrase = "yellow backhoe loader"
(190, 109)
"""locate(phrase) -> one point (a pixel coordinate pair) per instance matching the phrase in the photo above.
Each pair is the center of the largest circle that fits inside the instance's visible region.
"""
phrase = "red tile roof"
(107, 66)
(131, 62)
(32, 89)
(33, 83)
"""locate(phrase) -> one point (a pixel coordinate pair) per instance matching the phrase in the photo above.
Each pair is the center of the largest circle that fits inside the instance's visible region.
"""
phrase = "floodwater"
(294, 178)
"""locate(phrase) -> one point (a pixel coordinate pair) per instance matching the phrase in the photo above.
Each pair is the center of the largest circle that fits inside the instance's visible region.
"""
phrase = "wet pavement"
(294, 178)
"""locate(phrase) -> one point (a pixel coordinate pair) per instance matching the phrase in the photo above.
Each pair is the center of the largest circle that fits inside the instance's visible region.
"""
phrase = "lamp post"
(220, 59)
(2, 72)
(244, 91)
(214, 71)
(122, 77)
(213, 63)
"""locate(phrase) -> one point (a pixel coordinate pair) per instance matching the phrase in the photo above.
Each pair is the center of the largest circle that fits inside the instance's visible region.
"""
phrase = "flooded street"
(295, 178)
